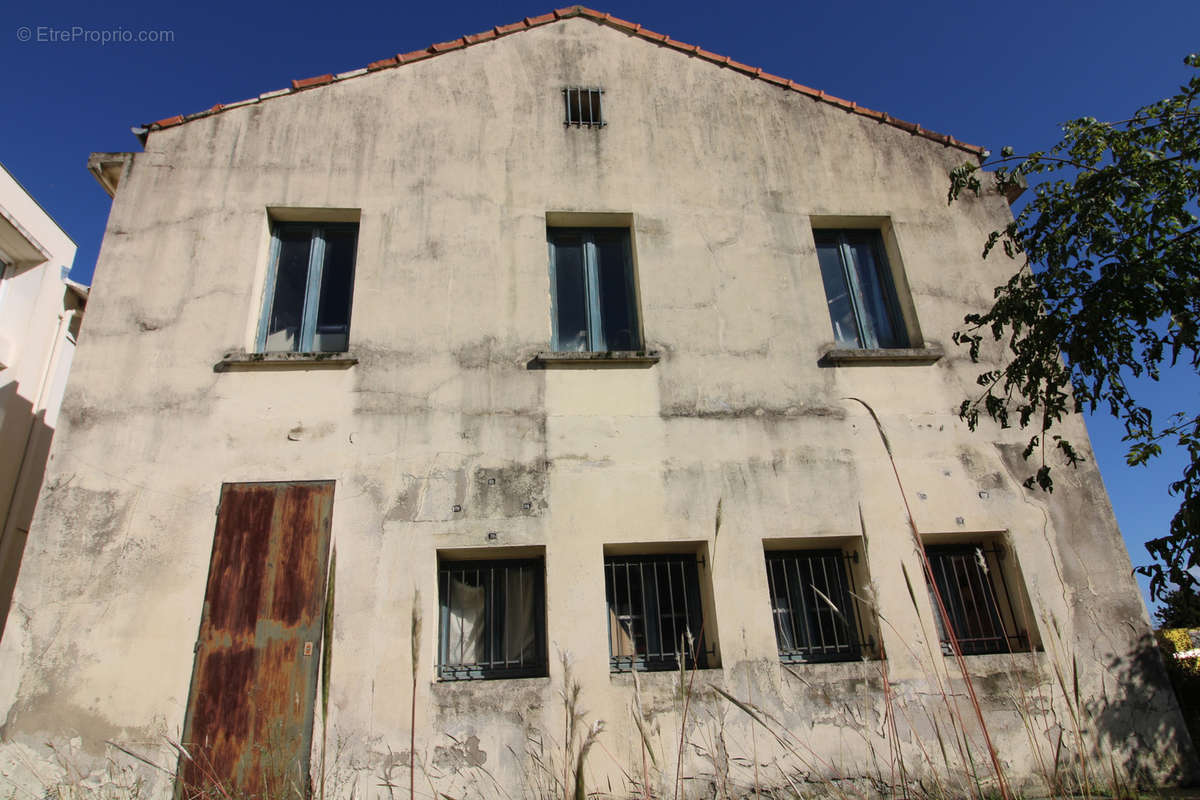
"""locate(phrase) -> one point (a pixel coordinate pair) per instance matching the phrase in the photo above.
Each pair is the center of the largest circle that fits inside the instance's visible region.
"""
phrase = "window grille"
(971, 581)
(654, 612)
(583, 107)
(492, 621)
(812, 603)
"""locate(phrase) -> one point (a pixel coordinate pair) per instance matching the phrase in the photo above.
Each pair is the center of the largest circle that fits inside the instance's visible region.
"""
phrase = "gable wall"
(454, 163)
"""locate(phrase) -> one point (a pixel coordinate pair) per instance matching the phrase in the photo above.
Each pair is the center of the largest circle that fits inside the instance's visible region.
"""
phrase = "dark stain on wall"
(765, 413)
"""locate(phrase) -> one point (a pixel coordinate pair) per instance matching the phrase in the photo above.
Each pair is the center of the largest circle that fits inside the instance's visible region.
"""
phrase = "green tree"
(1107, 292)
(1180, 608)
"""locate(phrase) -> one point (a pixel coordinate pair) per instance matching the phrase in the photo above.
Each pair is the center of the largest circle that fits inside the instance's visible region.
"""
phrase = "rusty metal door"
(249, 721)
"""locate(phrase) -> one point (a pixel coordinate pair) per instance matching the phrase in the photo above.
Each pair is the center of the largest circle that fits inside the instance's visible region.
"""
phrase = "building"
(546, 356)
(40, 313)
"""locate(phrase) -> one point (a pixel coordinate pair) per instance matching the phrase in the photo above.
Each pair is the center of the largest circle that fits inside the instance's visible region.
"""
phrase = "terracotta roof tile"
(603, 19)
(617, 22)
(684, 46)
(319, 80)
(414, 55)
(740, 67)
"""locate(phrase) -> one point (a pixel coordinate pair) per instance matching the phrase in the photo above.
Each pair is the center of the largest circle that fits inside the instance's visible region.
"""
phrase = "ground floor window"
(492, 619)
(654, 612)
(984, 613)
(813, 606)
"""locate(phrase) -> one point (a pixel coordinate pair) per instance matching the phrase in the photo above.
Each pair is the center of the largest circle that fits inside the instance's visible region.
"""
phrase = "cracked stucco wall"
(453, 164)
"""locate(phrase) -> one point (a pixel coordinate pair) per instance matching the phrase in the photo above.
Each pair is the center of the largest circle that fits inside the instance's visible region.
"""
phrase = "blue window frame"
(860, 290)
(309, 288)
(594, 304)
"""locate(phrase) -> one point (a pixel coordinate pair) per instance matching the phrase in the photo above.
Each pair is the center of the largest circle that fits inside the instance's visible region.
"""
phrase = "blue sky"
(990, 74)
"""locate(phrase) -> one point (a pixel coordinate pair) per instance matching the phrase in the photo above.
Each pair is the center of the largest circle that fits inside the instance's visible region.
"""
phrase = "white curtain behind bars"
(468, 616)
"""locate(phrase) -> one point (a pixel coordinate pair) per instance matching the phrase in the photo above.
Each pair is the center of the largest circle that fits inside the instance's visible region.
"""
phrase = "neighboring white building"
(554, 337)
(40, 312)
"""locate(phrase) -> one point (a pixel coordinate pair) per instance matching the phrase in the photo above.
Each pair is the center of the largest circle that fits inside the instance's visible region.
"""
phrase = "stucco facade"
(40, 313)
(450, 432)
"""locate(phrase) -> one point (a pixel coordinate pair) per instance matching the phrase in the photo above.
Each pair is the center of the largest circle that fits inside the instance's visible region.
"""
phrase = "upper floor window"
(583, 107)
(310, 282)
(591, 286)
(862, 297)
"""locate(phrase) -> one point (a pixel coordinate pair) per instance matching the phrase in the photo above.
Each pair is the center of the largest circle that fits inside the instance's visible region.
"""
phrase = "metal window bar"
(807, 627)
(653, 605)
(983, 619)
(491, 619)
(583, 108)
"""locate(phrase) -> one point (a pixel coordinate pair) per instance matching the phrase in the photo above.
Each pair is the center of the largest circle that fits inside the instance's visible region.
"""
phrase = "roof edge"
(631, 28)
(108, 169)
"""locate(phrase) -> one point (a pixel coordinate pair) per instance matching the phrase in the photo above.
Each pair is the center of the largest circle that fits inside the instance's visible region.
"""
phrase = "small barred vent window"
(583, 107)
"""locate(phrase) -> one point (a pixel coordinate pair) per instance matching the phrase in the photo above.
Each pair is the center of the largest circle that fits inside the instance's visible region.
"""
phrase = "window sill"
(898, 356)
(609, 359)
(238, 361)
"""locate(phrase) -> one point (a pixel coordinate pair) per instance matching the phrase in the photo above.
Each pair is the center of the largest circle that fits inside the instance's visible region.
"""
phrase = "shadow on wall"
(24, 450)
(1142, 723)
